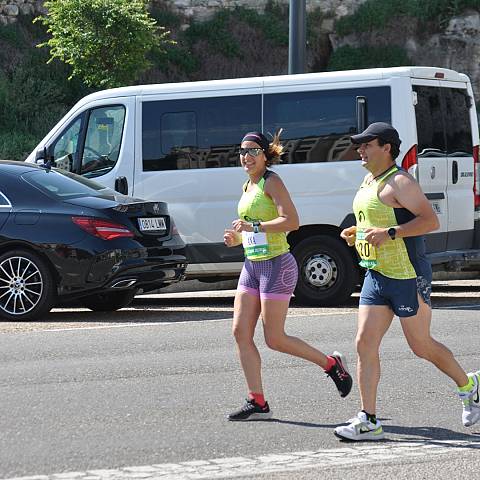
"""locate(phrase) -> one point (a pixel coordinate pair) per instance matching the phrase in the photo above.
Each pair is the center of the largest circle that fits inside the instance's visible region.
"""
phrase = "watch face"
(392, 232)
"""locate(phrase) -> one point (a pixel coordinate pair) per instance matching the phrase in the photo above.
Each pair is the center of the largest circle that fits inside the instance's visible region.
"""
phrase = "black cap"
(383, 131)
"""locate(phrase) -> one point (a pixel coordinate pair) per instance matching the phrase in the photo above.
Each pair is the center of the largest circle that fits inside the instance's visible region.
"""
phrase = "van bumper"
(455, 260)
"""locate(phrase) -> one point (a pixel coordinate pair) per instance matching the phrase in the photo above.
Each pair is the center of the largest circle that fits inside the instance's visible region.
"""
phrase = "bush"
(348, 58)
(33, 95)
(105, 42)
(378, 14)
(15, 145)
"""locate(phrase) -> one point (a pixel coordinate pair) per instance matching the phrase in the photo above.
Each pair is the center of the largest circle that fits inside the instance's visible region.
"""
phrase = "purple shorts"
(273, 279)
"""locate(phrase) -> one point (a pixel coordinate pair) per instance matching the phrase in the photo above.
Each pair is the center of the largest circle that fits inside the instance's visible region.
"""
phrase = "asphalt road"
(143, 393)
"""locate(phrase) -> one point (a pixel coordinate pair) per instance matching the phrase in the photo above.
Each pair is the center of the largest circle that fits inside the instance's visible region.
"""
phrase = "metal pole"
(297, 37)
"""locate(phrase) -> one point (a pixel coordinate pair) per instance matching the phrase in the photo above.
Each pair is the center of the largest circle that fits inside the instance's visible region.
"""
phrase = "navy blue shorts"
(399, 295)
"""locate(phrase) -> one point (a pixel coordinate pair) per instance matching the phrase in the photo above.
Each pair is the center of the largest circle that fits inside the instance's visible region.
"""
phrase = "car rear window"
(64, 185)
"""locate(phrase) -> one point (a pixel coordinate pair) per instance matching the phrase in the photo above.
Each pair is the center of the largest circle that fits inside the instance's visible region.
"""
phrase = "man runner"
(393, 215)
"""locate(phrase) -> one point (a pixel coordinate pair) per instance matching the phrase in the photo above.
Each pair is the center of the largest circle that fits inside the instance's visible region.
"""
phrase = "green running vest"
(255, 205)
(391, 258)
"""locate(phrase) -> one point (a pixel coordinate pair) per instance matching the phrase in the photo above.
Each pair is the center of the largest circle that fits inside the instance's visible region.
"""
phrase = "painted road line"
(218, 468)
(159, 324)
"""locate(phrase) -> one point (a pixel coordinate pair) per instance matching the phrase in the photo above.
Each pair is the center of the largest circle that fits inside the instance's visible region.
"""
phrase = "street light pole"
(297, 37)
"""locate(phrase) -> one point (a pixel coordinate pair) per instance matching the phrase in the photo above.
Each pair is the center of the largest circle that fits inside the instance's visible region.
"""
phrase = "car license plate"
(152, 224)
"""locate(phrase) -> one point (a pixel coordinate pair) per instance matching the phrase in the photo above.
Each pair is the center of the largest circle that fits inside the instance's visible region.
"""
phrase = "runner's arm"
(287, 220)
(410, 196)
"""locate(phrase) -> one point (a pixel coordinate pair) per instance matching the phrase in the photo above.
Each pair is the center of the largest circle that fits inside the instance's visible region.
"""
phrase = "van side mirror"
(121, 185)
(41, 155)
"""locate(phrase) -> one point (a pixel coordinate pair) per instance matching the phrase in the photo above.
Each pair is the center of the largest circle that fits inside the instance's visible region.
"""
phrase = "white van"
(178, 143)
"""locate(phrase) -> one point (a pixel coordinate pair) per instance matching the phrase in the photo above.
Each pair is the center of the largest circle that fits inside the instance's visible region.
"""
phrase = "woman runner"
(269, 275)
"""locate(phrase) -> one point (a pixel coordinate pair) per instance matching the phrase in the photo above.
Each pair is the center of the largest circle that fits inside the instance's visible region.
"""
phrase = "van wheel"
(27, 289)
(327, 272)
(109, 301)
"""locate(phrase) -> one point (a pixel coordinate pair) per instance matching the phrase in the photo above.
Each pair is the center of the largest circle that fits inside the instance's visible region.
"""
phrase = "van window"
(197, 132)
(317, 125)
(429, 117)
(178, 129)
(103, 140)
(457, 122)
(65, 148)
(443, 121)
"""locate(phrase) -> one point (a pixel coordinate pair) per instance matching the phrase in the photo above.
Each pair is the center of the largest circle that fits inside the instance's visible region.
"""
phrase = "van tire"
(327, 273)
(109, 301)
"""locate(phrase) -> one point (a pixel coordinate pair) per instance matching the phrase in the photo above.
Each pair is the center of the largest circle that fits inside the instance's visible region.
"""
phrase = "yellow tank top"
(255, 205)
(391, 258)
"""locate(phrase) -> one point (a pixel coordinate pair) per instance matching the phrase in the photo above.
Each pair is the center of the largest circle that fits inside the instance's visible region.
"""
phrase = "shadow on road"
(433, 435)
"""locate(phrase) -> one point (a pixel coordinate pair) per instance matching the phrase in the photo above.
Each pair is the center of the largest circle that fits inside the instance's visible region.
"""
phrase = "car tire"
(109, 301)
(27, 288)
(327, 273)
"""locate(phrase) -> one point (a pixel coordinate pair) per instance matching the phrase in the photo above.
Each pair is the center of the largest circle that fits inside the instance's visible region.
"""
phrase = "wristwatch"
(256, 226)
(392, 232)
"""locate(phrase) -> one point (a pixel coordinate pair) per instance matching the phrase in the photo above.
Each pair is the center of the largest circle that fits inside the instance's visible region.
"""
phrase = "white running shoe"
(471, 401)
(360, 429)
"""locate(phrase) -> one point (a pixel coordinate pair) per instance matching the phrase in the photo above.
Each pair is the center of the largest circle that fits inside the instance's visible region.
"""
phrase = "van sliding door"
(432, 160)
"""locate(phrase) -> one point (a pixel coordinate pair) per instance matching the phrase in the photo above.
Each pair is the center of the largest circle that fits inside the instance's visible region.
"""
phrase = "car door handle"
(454, 172)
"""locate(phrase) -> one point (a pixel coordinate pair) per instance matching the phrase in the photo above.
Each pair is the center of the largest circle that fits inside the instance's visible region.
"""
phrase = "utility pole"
(297, 37)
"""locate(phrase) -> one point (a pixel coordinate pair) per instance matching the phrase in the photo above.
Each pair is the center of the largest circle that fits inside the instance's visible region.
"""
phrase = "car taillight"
(102, 228)
(476, 177)
(173, 227)
(410, 160)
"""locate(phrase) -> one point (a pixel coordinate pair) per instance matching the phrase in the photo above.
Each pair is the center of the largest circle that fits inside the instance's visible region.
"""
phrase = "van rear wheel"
(327, 273)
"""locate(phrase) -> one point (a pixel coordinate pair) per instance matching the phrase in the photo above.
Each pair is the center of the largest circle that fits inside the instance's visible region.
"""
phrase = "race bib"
(255, 244)
(367, 252)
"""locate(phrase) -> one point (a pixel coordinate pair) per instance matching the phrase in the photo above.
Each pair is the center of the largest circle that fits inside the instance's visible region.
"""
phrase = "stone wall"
(456, 47)
(204, 9)
(200, 9)
(11, 9)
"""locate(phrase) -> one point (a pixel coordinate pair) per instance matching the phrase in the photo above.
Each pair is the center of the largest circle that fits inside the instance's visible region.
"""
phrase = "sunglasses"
(253, 152)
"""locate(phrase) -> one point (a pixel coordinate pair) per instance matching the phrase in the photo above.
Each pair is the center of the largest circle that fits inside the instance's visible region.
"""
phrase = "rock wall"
(456, 47)
(203, 9)
(200, 9)
(11, 9)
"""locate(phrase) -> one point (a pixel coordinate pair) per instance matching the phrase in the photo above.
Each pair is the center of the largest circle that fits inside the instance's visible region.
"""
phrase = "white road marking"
(159, 324)
(293, 461)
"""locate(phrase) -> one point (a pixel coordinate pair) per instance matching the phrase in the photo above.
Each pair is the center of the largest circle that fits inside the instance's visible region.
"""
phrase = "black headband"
(258, 138)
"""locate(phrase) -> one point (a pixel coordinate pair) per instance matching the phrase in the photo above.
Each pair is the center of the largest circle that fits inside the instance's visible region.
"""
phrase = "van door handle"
(454, 172)
(121, 185)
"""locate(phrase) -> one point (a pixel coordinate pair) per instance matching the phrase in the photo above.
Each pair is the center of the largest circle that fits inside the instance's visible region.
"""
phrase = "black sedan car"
(65, 237)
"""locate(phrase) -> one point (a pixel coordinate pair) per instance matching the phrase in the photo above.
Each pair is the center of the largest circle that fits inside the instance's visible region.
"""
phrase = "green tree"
(105, 42)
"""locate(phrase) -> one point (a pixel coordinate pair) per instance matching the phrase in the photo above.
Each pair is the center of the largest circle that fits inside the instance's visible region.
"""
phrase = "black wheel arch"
(9, 246)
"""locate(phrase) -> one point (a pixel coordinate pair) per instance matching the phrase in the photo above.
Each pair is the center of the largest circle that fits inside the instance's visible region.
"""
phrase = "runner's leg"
(246, 313)
(373, 323)
(417, 333)
(274, 313)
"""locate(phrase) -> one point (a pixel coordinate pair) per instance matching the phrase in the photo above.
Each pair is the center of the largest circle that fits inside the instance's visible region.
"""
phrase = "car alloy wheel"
(26, 287)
